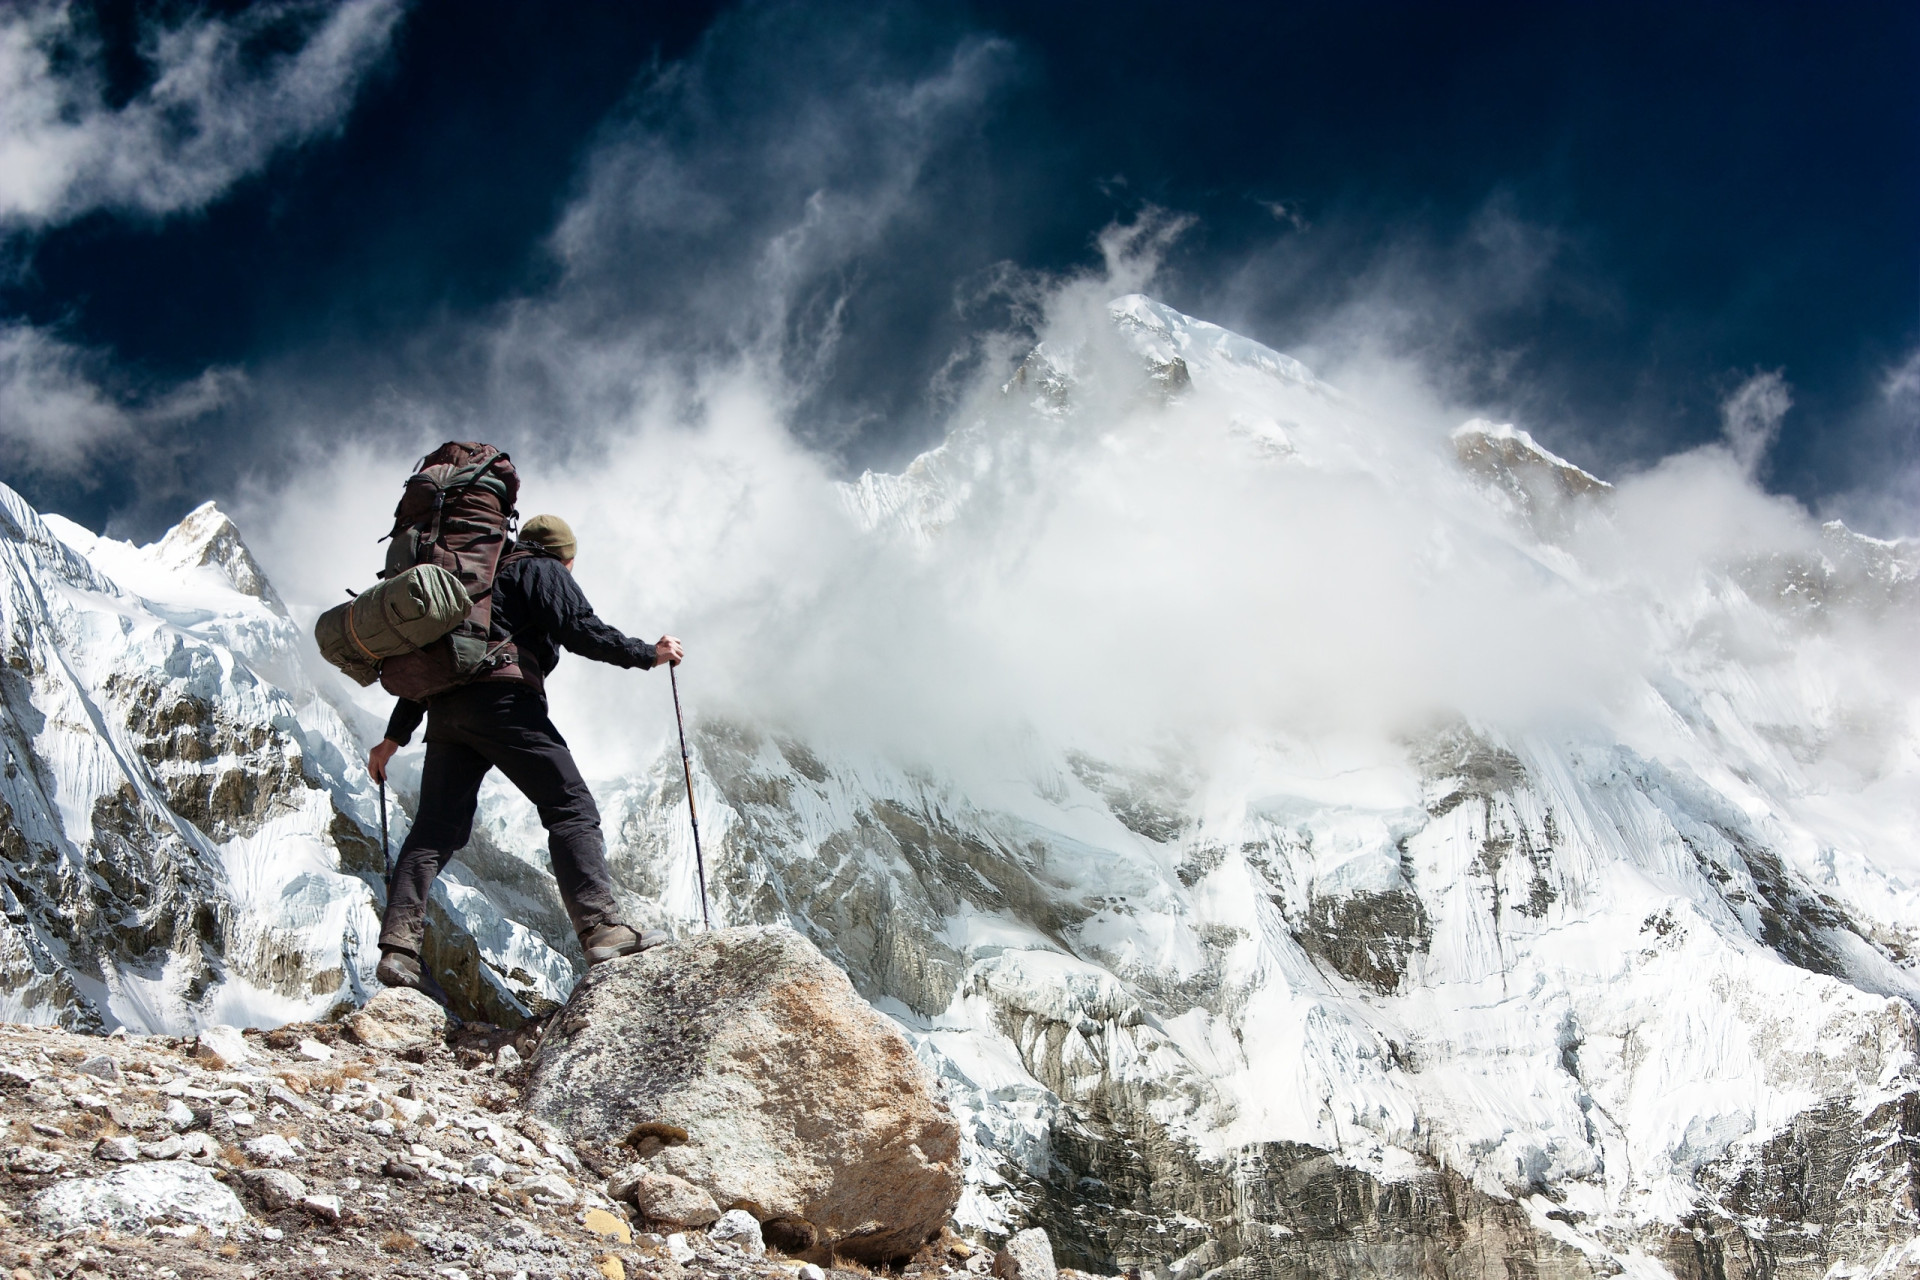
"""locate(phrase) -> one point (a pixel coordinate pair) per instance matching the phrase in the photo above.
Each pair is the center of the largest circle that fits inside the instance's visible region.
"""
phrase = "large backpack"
(454, 518)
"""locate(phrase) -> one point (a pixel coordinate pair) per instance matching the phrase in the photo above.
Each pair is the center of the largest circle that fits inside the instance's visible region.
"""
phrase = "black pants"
(497, 724)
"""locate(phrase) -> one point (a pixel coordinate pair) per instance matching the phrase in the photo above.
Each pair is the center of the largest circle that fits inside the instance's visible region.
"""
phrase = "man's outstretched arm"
(406, 717)
(558, 601)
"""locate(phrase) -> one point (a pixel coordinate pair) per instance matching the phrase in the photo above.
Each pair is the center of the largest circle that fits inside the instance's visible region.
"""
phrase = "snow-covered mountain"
(1576, 936)
(189, 831)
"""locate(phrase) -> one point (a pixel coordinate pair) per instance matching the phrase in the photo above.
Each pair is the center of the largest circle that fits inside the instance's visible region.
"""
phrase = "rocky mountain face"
(1624, 990)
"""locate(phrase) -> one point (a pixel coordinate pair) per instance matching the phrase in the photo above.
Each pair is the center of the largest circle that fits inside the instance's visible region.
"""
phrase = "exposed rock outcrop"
(744, 1062)
(373, 1163)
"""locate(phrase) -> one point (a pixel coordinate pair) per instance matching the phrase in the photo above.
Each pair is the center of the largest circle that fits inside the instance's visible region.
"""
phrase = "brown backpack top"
(457, 512)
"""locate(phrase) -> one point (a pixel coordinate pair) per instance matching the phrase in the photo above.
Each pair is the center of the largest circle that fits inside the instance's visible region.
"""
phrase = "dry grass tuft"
(398, 1242)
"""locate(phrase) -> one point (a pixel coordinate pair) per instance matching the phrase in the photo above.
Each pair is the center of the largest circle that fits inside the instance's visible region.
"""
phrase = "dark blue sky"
(1594, 219)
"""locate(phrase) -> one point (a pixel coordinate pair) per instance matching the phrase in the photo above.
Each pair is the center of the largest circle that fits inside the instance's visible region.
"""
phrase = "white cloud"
(215, 110)
(1902, 382)
(60, 408)
(53, 414)
(1750, 417)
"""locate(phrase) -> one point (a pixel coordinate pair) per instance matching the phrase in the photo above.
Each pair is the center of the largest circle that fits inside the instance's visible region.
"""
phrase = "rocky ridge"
(390, 1144)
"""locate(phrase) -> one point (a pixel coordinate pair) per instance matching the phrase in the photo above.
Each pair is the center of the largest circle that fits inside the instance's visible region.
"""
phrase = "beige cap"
(551, 532)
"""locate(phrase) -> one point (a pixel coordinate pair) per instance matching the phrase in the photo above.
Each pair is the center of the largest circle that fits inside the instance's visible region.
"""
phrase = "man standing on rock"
(500, 721)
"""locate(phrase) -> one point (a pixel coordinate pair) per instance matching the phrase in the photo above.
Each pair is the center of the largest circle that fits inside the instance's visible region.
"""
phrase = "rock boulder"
(396, 1018)
(744, 1062)
(131, 1199)
(1027, 1256)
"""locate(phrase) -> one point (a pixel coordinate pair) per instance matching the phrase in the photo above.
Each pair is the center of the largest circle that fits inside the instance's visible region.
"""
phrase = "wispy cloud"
(224, 94)
(1750, 418)
(62, 405)
(219, 103)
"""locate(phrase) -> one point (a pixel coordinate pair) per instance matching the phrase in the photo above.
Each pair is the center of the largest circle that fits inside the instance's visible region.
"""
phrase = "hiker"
(500, 721)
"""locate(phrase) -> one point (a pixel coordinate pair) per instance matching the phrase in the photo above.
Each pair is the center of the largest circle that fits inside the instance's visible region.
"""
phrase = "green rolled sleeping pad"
(408, 611)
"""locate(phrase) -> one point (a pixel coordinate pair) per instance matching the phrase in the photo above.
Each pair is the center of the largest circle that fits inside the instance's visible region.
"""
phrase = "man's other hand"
(667, 649)
(377, 758)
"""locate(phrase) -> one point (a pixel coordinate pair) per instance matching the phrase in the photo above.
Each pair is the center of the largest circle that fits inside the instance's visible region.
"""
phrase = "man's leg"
(449, 789)
(534, 757)
(536, 760)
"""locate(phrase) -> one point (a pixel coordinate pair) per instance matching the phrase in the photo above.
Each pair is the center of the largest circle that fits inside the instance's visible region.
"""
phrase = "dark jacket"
(538, 604)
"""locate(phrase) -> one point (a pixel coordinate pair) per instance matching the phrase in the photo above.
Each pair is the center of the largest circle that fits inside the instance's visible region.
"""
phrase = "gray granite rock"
(1028, 1255)
(746, 1064)
(276, 1188)
(130, 1199)
(740, 1229)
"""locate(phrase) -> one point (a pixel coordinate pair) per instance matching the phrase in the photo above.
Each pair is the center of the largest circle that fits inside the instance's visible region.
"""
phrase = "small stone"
(165, 1149)
(812, 1271)
(119, 1150)
(17, 1079)
(661, 1197)
(222, 1047)
(373, 1109)
(549, 1188)
(179, 1114)
(506, 1060)
(133, 1116)
(678, 1249)
(1028, 1255)
(46, 1130)
(325, 1208)
(408, 1109)
(130, 1198)
(612, 1268)
(313, 1050)
(610, 1225)
(198, 1144)
(34, 1160)
(381, 1128)
(287, 1098)
(102, 1068)
(276, 1188)
(396, 1168)
(742, 1230)
(271, 1233)
(397, 1018)
(487, 1165)
(269, 1149)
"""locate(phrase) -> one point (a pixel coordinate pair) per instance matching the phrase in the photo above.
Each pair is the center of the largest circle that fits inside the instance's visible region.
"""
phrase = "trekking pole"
(686, 765)
(386, 853)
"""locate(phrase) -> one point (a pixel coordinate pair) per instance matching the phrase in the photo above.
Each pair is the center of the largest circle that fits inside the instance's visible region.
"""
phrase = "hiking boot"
(399, 969)
(611, 941)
